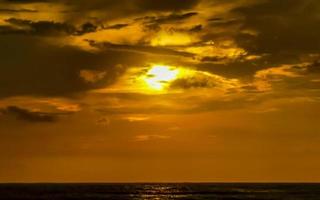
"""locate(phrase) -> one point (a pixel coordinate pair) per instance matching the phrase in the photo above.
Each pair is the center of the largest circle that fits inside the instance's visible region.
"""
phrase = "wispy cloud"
(144, 138)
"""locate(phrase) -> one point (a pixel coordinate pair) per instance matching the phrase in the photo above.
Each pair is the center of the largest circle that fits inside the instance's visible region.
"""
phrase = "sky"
(159, 91)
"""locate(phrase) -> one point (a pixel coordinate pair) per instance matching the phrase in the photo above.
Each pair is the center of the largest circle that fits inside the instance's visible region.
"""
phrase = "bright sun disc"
(159, 76)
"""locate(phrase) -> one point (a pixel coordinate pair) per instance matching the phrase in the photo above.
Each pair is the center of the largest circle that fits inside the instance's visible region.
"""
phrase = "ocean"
(161, 191)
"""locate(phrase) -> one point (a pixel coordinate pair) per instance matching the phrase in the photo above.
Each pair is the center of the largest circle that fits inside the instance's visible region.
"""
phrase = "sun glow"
(159, 76)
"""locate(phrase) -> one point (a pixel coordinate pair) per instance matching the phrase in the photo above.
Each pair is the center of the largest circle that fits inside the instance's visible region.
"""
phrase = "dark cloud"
(187, 83)
(314, 67)
(215, 19)
(242, 68)
(27, 1)
(41, 27)
(280, 31)
(29, 66)
(235, 69)
(116, 26)
(87, 28)
(27, 115)
(211, 59)
(3, 10)
(281, 26)
(51, 28)
(4, 29)
(154, 22)
(220, 22)
(169, 18)
(196, 28)
(142, 49)
(133, 5)
(166, 5)
(110, 9)
(301, 84)
(188, 30)
(155, 5)
(300, 79)
(45, 28)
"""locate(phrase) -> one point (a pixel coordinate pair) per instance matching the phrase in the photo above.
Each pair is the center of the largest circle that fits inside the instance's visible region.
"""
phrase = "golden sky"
(159, 90)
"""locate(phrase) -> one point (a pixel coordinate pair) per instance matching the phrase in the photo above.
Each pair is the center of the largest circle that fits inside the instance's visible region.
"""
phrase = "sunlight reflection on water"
(160, 191)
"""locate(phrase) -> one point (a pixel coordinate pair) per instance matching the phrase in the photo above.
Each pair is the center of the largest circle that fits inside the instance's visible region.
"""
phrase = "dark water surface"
(161, 191)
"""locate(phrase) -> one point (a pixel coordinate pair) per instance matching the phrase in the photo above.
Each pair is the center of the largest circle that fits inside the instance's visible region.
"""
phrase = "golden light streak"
(171, 38)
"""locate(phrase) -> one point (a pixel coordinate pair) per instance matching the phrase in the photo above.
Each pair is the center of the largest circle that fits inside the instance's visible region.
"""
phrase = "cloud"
(27, 1)
(103, 121)
(136, 118)
(45, 28)
(137, 5)
(86, 28)
(81, 9)
(314, 67)
(3, 10)
(92, 76)
(173, 18)
(242, 67)
(196, 28)
(47, 69)
(41, 27)
(281, 26)
(27, 115)
(199, 79)
(116, 26)
(234, 40)
(287, 78)
(154, 22)
(144, 138)
(141, 49)
(167, 5)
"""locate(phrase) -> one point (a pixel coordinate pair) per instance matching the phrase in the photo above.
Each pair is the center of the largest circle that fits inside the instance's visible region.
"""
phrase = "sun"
(158, 77)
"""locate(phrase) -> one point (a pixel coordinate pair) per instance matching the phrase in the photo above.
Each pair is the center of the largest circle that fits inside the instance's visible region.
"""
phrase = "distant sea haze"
(162, 191)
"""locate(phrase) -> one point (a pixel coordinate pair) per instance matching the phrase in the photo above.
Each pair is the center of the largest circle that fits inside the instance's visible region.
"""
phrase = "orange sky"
(161, 90)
